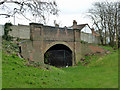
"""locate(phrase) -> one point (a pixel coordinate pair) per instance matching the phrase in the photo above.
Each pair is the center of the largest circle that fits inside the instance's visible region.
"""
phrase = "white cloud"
(72, 10)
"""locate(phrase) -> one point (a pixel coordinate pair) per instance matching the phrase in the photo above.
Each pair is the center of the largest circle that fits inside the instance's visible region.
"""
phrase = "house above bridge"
(85, 28)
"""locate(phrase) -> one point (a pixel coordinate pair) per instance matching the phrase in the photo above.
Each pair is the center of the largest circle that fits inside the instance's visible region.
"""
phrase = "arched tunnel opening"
(58, 55)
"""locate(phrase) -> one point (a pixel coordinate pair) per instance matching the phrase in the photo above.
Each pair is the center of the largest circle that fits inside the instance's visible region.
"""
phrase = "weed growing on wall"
(10, 47)
(84, 42)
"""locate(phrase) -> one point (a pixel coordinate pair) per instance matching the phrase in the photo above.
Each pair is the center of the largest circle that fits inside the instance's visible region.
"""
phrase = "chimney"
(92, 29)
(74, 24)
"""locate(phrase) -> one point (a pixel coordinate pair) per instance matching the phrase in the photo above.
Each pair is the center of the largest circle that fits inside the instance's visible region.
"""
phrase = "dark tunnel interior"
(58, 55)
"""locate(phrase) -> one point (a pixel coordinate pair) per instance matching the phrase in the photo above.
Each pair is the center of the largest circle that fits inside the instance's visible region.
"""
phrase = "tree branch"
(5, 15)
(37, 8)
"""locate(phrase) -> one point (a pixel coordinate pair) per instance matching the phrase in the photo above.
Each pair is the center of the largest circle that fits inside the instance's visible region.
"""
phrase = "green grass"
(107, 48)
(101, 72)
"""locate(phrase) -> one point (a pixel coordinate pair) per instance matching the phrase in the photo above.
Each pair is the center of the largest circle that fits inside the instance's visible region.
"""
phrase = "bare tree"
(37, 8)
(112, 23)
(105, 18)
(97, 15)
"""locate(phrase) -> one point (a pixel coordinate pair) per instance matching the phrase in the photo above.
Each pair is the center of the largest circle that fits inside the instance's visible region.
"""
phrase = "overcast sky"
(69, 10)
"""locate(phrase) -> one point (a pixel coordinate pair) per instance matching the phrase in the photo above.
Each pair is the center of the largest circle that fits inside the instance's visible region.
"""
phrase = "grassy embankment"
(101, 72)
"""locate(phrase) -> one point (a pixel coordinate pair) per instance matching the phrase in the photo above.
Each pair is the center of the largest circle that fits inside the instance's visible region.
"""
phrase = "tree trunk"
(116, 29)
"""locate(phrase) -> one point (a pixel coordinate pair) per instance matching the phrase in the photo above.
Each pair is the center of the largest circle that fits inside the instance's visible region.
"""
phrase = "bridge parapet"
(58, 34)
(40, 32)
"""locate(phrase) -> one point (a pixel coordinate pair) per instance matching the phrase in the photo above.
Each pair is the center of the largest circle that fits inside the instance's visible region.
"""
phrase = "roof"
(80, 26)
(96, 34)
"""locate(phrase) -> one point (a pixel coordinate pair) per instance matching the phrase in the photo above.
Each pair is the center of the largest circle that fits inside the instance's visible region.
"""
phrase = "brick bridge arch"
(55, 43)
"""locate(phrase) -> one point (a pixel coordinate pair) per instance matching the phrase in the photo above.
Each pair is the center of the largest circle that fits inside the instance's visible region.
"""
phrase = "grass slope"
(102, 72)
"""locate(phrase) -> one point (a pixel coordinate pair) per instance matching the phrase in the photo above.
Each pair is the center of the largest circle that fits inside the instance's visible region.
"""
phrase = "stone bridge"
(44, 39)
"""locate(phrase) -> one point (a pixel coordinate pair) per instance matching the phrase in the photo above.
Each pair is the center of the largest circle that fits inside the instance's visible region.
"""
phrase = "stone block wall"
(26, 49)
(1, 30)
(20, 31)
(85, 50)
(90, 38)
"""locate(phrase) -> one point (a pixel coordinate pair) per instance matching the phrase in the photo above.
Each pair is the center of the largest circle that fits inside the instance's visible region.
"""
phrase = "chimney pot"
(74, 24)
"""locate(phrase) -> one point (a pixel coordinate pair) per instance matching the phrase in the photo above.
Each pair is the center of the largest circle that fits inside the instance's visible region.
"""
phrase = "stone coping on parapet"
(68, 28)
(23, 41)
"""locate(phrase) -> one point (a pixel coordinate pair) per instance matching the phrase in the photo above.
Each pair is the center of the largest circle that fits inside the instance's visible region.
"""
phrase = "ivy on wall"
(6, 35)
